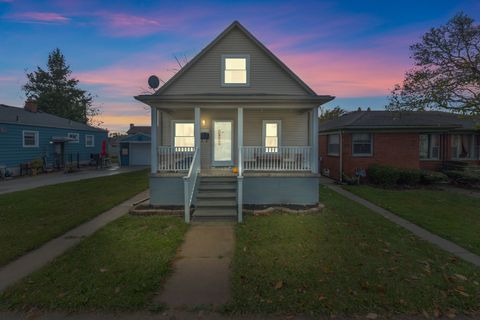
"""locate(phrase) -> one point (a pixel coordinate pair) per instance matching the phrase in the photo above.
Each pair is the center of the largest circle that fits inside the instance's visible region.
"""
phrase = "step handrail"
(190, 183)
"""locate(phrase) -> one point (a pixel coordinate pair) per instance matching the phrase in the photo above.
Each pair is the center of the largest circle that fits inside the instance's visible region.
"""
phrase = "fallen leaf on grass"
(321, 297)
(279, 285)
(372, 316)
(460, 277)
(102, 270)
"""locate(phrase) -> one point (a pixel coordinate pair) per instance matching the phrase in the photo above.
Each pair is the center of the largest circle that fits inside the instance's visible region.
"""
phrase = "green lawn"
(120, 267)
(346, 260)
(32, 217)
(450, 215)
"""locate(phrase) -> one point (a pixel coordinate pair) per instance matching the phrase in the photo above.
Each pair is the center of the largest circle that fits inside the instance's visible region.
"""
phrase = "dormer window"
(235, 70)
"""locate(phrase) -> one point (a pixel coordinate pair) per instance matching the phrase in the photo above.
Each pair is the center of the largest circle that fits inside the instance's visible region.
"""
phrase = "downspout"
(341, 156)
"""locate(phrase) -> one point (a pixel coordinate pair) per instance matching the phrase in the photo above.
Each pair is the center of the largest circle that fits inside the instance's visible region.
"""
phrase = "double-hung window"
(183, 134)
(429, 145)
(89, 140)
(463, 146)
(235, 70)
(30, 139)
(362, 144)
(271, 135)
(333, 141)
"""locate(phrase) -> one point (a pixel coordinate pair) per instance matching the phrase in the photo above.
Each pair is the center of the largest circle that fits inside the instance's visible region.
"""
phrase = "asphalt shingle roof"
(400, 120)
(139, 129)
(15, 115)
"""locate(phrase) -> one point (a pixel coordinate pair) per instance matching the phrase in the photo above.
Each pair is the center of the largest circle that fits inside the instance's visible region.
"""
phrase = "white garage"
(140, 154)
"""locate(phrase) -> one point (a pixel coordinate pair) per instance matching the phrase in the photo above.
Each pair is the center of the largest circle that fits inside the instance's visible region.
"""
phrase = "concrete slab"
(424, 234)
(25, 183)
(26, 264)
(202, 269)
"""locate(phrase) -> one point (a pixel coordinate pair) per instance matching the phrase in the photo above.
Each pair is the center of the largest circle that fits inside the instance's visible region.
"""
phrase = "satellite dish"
(153, 82)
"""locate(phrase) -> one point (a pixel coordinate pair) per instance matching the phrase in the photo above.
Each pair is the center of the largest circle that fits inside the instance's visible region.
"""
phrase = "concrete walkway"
(202, 269)
(418, 231)
(25, 183)
(35, 259)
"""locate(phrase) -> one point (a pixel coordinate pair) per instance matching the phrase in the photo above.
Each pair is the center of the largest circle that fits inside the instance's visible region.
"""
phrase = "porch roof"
(214, 97)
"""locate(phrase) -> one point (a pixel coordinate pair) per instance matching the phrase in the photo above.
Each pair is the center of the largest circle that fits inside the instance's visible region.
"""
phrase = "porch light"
(203, 123)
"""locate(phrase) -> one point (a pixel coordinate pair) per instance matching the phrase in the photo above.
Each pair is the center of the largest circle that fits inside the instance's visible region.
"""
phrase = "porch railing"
(276, 159)
(175, 158)
(190, 182)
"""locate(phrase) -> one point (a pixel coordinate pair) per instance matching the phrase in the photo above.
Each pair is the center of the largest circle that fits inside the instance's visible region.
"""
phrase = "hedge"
(391, 176)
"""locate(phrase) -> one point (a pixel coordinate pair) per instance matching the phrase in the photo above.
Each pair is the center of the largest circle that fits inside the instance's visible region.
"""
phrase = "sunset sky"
(354, 50)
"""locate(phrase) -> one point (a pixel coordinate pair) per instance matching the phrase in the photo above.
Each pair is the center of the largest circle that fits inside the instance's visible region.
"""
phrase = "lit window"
(235, 70)
(429, 146)
(184, 134)
(30, 139)
(362, 144)
(89, 140)
(271, 135)
(74, 136)
(333, 144)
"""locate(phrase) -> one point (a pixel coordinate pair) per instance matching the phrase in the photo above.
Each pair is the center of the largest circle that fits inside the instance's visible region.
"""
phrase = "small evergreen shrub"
(383, 175)
(409, 177)
(390, 176)
(431, 177)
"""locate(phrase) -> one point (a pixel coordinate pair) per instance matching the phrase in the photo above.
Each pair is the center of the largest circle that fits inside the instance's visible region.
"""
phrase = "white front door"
(222, 143)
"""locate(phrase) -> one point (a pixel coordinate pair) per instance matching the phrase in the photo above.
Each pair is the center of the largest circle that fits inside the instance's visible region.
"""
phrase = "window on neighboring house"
(235, 70)
(429, 146)
(184, 134)
(362, 144)
(30, 139)
(333, 144)
(463, 146)
(89, 140)
(271, 135)
(74, 136)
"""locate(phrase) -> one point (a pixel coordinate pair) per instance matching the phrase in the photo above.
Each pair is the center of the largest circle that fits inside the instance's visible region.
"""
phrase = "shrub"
(383, 175)
(431, 177)
(409, 177)
(464, 177)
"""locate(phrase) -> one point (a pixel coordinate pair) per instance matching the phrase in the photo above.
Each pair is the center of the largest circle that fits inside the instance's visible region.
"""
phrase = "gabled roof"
(371, 120)
(235, 25)
(20, 116)
(139, 129)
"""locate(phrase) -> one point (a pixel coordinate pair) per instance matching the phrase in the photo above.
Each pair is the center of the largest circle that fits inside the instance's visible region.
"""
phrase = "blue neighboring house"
(27, 134)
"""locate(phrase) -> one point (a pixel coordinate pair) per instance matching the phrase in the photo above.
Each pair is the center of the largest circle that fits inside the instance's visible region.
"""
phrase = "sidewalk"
(25, 183)
(416, 230)
(26, 264)
(202, 269)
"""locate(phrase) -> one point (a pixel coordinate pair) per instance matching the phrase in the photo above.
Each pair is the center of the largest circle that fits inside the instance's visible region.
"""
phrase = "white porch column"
(153, 141)
(240, 165)
(197, 127)
(315, 140)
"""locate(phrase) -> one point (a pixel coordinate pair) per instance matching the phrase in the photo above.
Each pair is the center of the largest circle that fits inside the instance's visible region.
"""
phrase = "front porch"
(272, 154)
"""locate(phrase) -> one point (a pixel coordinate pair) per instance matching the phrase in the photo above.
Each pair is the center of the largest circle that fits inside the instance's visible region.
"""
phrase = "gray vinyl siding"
(266, 76)
(294, 128)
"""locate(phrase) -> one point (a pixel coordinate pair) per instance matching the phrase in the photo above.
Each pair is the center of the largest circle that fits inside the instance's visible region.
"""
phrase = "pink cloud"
(40, 17)
(348, 73)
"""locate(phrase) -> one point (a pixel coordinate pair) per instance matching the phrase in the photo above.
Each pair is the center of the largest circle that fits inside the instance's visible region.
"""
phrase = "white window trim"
(328, 143)
(473, 156)
(173, 129)
(74, 133)
(371, 146)
(247, 66)
(279, 132)
(36, 138)
(86, 141)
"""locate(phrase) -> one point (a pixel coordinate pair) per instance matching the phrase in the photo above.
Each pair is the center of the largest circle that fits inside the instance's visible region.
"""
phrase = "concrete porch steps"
(216, 199)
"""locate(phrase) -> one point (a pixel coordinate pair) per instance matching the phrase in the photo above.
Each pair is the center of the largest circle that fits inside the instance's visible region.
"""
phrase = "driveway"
(25, 183)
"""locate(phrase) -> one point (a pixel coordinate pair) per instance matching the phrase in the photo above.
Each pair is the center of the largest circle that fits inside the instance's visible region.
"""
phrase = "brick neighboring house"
(417, 140)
